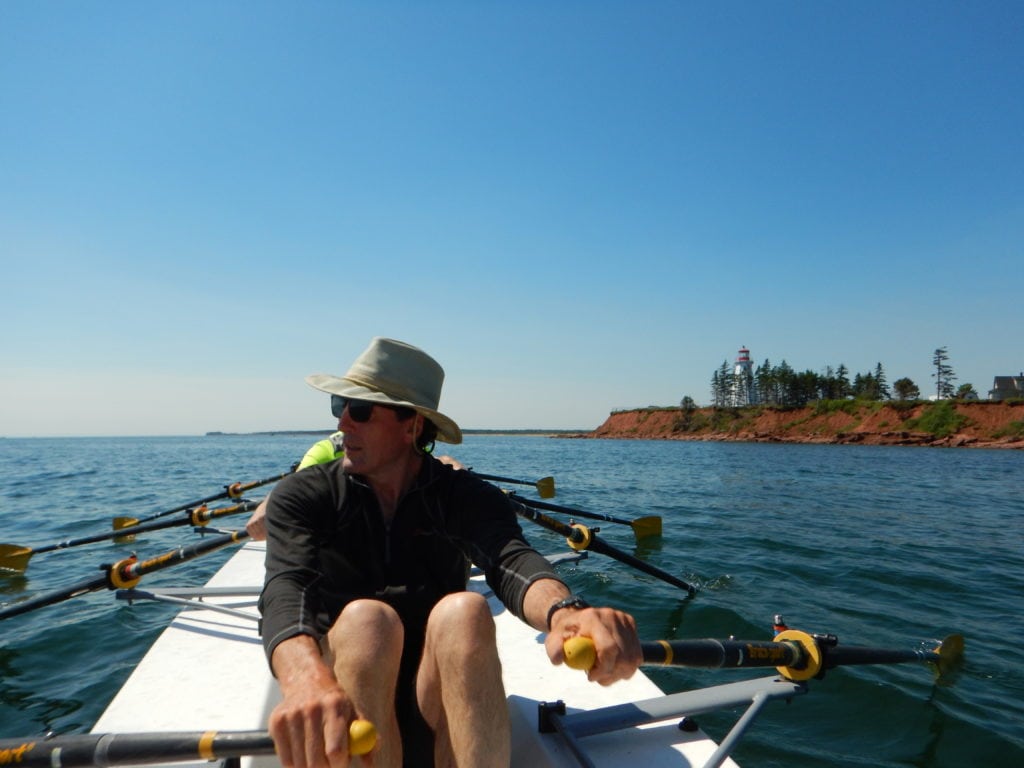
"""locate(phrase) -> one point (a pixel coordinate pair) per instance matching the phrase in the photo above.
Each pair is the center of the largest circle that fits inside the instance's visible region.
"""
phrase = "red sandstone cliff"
(980, 424)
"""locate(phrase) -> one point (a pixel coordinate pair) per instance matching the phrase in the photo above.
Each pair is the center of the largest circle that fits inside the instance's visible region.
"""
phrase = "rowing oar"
(545, 486)
(579, 537)
(797, 655)
(642, 526)
(123, 574)
(14, 557)
(116, 749)
(233, 491)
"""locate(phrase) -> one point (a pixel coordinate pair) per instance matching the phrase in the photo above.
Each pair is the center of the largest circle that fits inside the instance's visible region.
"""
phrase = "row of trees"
(782, 385)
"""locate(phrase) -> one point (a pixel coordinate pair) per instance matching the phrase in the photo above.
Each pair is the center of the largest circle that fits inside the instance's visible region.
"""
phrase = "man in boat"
(365, 609)
(320, 452)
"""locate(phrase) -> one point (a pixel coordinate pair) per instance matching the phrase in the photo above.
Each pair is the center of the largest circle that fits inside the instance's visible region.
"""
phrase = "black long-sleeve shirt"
(327, 545)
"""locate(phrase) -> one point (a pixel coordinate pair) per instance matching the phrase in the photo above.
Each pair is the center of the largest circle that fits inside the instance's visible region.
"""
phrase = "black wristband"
(572, 601)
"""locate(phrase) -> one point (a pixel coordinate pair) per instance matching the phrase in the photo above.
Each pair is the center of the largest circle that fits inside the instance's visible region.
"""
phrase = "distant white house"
(1005, 387)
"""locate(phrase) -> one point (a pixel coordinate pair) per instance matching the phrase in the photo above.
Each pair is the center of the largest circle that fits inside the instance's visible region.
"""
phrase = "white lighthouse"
(743, 390)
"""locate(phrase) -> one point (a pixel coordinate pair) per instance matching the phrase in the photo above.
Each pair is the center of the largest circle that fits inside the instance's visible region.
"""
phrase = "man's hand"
(310, 726)
(615, 641)
(455, 463)
(255, 526)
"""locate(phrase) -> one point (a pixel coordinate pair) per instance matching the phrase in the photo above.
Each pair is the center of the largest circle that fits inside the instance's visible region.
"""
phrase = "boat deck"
(207, 671)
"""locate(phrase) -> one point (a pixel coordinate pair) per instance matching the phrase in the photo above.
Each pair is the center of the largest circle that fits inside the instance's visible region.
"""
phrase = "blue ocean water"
(888, 547)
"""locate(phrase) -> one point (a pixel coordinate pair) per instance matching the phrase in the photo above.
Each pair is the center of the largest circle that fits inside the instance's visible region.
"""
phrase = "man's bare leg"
(364, 649)
(459, 686)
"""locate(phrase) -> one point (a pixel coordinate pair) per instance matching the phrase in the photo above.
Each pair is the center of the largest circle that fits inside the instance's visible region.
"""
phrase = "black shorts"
(417, 736)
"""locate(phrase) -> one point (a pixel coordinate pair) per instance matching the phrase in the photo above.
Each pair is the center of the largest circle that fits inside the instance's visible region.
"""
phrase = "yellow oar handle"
(362, 736)
(579, 653)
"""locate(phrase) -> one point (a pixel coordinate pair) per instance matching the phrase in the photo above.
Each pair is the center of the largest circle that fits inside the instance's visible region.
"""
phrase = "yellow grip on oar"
(117, 578)
(362, 737)
(579, 653)
(199, 516)
(810, 652)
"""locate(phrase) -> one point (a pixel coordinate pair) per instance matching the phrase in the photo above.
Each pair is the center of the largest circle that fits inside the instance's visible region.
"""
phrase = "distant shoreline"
(325, 432)
(954, 424)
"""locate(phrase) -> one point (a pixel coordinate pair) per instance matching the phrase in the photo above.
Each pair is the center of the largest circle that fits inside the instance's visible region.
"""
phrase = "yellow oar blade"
(950, 652)
(546, 487)
(14, 557)
(644, 527)
(124, 522)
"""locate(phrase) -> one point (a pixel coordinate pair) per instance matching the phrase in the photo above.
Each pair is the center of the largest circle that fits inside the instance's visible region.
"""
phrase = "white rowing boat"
(207, 671)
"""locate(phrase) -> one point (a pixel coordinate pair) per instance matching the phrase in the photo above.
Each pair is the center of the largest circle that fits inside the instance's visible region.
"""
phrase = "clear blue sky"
(575, 207)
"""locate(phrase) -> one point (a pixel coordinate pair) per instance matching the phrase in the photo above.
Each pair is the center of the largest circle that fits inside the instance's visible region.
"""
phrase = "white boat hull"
(207, 671)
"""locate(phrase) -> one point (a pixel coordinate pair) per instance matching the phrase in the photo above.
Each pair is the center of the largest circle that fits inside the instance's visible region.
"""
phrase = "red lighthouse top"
(744, 355)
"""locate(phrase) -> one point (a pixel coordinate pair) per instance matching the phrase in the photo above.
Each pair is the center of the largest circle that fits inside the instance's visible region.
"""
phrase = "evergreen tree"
(865, 387)
(944, 376)
(716, 388)
(765, 382)
(843, 389)
(880, 384)
(722, 386)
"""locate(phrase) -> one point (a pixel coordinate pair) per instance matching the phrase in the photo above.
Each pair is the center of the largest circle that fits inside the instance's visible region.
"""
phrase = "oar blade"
(546, 487)
(949, 654)
(14, 557)
(646, 527)
(121, 523)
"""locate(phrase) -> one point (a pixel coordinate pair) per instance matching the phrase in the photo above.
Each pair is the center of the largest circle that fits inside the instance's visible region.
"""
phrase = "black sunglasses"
(360, 411)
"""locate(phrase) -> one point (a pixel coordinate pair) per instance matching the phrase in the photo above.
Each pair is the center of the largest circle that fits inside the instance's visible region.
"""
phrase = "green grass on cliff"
(1014, 429)
(940, 419)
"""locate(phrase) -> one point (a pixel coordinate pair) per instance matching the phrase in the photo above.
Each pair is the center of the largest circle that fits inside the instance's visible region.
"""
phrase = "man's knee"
(462, 615)
(366, 623)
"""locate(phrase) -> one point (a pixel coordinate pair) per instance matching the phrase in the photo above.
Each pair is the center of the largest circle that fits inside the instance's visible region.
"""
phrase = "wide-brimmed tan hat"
(394, 373)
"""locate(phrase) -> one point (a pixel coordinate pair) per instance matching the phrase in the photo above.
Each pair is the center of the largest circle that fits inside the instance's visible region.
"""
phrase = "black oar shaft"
(766, 653)
(54, 596)
(500, 479)
(581, 539)
(123, 574)
(797, 655)
(601, 546)
(233, 491)
(111, 749)
(845, 655)
(198, 516)
(568, 510)
(119, 749)
(132, 571)
(718, 654)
